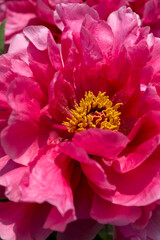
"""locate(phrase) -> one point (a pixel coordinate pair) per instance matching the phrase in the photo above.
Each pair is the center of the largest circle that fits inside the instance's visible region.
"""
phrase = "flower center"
(94, 112)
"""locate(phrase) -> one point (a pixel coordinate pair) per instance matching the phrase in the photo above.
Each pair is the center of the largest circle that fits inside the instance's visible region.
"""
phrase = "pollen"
(94, 112)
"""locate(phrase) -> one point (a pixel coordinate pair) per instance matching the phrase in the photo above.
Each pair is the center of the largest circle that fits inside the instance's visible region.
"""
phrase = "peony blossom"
(79, 125)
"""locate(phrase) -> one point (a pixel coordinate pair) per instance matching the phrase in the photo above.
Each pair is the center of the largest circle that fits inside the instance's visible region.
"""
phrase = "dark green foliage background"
(2, 38)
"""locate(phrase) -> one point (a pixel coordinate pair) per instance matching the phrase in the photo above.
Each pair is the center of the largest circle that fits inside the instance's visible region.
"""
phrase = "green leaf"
(103, 235)
(106, 233)
(2, 36)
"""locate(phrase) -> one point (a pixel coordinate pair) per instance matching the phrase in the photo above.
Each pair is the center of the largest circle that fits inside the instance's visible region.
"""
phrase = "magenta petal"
(54, 53)
(81, 229)
(108, 213)
(150, 101)
(154, 61)
(141, 189)
(61, 96)
(58, 222)
(92, 169)
(25, 98)
(68, 49)
(37, 35)
(6, 77)
(20, 147)
(136, 154)
(21, 67)
(123, 23)
(18, 48)
(100, 142)
(101, 32)
(149, 122)
(49, 181)
(66, 13)
(145, 216)
(150, 232)
(153, 230)
(8, 179)
(23, 221)
(91, 51)
(45, 12)
(40, 64)
(18, 15)
(20, 51)
(4, 115)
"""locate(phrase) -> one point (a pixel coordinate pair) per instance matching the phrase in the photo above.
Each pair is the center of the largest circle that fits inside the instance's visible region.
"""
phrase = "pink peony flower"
(80, 124)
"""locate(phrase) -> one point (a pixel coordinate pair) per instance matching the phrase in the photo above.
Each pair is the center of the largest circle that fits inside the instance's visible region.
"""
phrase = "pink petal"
(100, 142)
(18, 14)
(91, 51)
(23, 221)
(101, 32)
(66, 13)
(38, 36)
(58, 222)
(143, 143)
(18, 48)
(49, 181)
(40, 64)
(54, 53)
(123, 23)
(141, 189)
(4, 115)
(150, 232)
(24, 97)
(6, 77)
(45, 12)
(153, 231)
(8, 170)
(20, 147)
(150, 101)
(145, 216)
(61, 97)
(135, 155)
(108, 213)
(92, 169)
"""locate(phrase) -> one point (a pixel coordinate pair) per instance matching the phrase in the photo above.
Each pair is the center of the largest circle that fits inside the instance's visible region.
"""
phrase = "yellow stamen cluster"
(94, 112)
